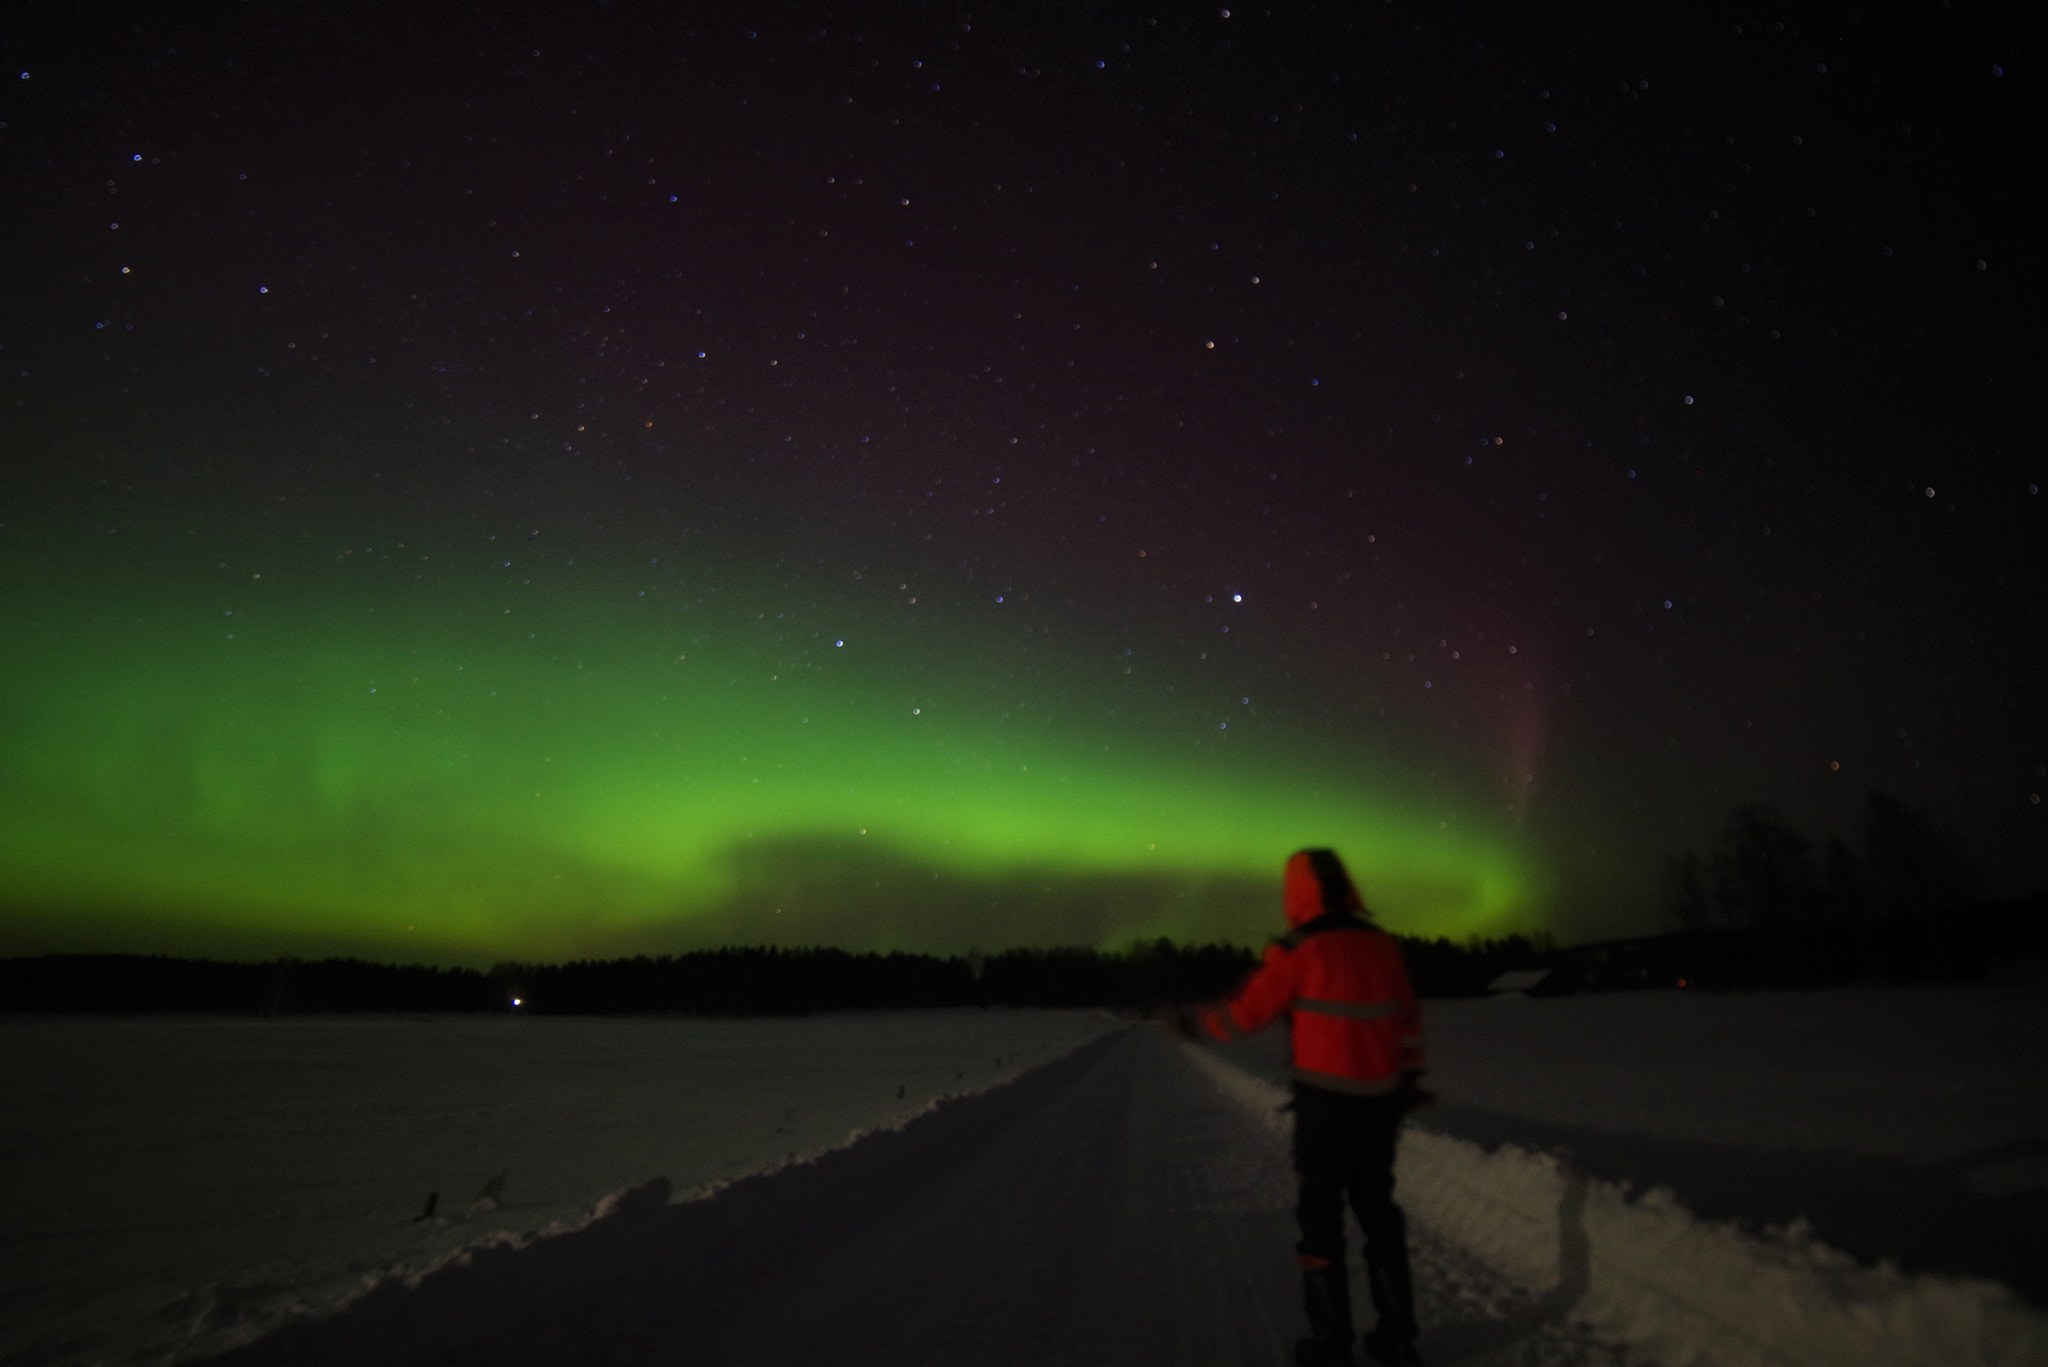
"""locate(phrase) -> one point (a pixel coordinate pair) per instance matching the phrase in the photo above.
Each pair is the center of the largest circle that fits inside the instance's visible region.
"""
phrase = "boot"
(1393, 1292)
(1326, 1295)
(1390, 1352)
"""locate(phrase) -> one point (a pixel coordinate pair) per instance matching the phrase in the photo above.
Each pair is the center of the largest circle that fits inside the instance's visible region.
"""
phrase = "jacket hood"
(1301, 891)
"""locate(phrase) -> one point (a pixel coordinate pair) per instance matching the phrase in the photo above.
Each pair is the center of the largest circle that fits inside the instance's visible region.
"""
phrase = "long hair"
(1340, 894)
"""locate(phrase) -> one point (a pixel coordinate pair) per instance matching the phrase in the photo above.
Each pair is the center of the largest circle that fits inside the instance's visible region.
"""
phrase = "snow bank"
(1643, 1270)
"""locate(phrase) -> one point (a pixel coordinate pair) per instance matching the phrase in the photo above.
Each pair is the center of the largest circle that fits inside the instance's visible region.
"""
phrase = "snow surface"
(178, 1184)
(1615, 1180)
(1932, 1075)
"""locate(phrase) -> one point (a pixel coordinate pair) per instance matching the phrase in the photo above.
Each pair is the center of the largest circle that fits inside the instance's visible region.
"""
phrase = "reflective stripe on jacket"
(1354, 1025)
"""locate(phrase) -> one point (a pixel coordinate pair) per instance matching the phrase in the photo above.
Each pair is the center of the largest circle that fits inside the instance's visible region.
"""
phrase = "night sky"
(620, 478)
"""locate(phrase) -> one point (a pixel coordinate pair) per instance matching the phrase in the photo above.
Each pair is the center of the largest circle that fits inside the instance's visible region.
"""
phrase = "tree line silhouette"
(1764, 907)
(1759, 871)
(718, 982)
(121, 984)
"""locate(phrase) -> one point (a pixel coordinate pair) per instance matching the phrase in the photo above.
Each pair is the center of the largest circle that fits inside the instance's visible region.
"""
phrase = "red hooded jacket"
(1353, 1021)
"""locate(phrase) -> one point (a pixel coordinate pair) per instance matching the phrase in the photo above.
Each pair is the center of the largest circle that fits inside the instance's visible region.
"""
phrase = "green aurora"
(481, 754)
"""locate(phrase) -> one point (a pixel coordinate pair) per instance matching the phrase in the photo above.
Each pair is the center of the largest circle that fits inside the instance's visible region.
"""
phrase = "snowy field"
(1788, 1178)
(172, 1184)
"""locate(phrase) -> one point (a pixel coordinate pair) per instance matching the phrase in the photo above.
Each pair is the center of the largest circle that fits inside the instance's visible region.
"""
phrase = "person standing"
(1355, 1032)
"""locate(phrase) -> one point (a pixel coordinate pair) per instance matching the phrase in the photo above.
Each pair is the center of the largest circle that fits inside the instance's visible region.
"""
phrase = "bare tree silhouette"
(1762, 870)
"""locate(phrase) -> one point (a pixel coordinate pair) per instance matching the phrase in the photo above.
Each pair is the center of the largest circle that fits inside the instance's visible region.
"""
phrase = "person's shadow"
(1466, 1340)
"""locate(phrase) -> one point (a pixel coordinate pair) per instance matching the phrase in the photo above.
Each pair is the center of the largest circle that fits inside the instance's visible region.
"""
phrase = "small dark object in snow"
(433, 1200)
(488, 1198)
(899, 1091)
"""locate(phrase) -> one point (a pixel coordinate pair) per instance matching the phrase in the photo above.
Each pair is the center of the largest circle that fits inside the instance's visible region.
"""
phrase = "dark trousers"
(1344, 1147)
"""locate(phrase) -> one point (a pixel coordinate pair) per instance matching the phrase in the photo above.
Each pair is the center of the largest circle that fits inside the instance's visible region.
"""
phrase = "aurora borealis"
(384, 746)
(607, 482)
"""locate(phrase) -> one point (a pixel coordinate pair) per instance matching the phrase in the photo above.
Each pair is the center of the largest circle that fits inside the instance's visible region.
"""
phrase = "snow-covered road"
(1114, 1207)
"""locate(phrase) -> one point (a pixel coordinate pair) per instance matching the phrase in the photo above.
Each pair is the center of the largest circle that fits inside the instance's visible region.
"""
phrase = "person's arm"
(1257, 1004)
